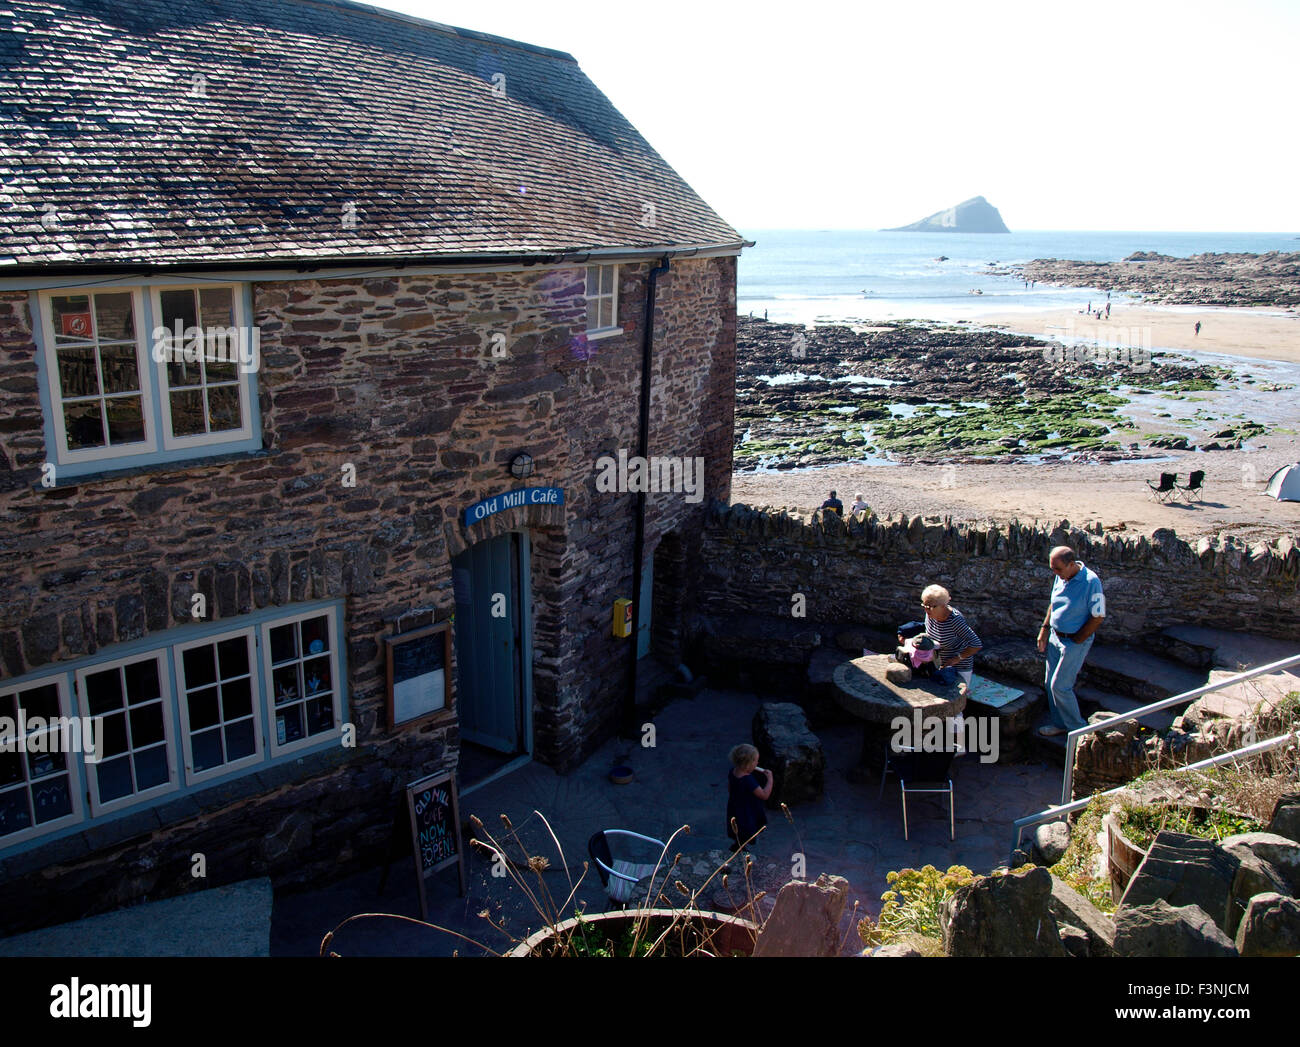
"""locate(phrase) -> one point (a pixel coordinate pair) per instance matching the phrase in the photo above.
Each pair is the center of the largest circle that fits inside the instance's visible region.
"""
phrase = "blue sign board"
(510, 499)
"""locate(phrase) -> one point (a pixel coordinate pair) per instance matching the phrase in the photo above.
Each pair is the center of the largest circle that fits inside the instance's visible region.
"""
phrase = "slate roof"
(205, 131)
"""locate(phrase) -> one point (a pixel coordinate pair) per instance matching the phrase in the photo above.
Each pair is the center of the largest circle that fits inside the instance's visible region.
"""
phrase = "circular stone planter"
(730, 934)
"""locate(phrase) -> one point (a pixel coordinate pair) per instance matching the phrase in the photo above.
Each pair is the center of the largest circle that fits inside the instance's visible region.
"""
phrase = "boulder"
(1074, 940)
(1271, 927)
(1254, 876)
(1282, 854)
(1161, 929)
(793, 753)
(1073, 911)
(1185, 870)
(1007, 915)
(805, 920)
(1050, 842)
(893, 950)
(1285, 820)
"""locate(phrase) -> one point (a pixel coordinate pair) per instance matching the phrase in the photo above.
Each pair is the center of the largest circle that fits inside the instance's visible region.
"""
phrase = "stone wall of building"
(398, 378)
(872, 572)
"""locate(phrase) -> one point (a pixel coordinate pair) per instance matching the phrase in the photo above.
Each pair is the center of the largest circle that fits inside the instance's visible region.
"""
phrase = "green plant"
(912, 904)
(1080, 866)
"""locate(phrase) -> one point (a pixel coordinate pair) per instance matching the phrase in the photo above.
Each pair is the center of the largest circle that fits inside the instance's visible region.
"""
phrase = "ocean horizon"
(828, 276)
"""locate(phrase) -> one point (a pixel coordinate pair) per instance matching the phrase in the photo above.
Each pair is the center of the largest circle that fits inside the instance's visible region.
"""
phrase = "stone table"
(747, 894)
(861, 688)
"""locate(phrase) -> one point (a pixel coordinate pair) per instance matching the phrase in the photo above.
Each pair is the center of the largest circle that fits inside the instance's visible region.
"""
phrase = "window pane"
(77, 375)
(223, 408)
(606, 312)
(83, 424)
(147, 725)
(119, 365)
(151, 768)
(316, 675)
(315, 635)
(233, 657)
(236, 699)
(606, 279)
(217, 307)
(181, 372)
(71, 317)
(14, 814)
(593, 280)
(112, 734)
(9, 706)
(178, 305)
(286, 684)
(125, 420)
(239, 740)
(200, 668)
(187, 413)
(320, 715)
(142, 681)
(207, 749)
(221, 365)
(114, 779)
(11, 768)
(53, 799)
(593, 314)
(284, 642)
(40, 701)
(39, 765)
(114, 318)
(288, 724)
(203, 708)
(104, 691)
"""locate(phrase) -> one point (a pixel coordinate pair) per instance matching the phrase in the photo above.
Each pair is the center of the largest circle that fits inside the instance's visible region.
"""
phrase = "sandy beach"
(1267, 334)
(1111, 493)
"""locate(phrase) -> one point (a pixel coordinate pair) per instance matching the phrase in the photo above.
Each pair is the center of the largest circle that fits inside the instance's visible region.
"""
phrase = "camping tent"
(1284, 485)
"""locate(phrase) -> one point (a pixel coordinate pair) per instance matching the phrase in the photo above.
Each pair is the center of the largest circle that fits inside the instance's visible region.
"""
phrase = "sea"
(810, 276)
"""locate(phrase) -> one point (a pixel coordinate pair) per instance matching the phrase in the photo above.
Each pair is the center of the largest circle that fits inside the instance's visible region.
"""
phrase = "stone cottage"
(352, 368)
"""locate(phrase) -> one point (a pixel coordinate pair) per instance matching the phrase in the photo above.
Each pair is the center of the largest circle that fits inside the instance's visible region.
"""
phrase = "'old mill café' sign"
(509, 500)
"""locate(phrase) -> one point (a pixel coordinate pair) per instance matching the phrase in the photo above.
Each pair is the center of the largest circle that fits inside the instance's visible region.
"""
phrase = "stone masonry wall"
(395, 376)
(873, 571)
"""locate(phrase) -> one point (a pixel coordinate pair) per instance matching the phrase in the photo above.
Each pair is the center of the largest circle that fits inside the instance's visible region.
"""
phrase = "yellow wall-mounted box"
(622, 616)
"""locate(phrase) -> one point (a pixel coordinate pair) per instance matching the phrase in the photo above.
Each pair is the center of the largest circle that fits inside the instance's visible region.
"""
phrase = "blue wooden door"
(488, 648)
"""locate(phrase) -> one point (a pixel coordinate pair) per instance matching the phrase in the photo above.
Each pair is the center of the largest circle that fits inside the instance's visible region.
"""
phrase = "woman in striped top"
(948, 628)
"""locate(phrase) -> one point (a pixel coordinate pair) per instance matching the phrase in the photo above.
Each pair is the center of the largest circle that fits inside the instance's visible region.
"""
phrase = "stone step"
(1138, 674)
(1050, 749)
(1204, 648)
(1092, 699)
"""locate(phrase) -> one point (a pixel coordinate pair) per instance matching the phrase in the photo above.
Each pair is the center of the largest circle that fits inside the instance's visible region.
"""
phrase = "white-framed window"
(217, 688)
(38, 790)
(206, 400)
(602, 301)
(99, 387)
(122, 387)
(302, 672)
(131, 703)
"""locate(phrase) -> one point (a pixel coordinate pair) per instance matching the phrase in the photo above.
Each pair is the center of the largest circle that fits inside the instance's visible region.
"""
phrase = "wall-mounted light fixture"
(521, 465)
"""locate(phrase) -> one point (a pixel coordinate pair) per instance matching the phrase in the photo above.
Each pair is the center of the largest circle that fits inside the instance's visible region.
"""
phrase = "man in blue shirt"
(1076, 612)
(834, 505)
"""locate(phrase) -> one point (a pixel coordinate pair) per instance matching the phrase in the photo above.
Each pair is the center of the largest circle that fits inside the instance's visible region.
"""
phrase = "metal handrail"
(1109, 724)
(1059, 811)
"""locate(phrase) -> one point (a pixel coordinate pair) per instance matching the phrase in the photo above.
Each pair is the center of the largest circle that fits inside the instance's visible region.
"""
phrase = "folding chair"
(922, 772)
(1194, 486)
(1167, 488)
(620, 874)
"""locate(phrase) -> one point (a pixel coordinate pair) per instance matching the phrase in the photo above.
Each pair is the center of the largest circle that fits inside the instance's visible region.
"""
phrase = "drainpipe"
(643, 452)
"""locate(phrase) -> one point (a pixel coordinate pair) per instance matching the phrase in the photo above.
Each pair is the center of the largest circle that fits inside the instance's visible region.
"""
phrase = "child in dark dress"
(745, 795)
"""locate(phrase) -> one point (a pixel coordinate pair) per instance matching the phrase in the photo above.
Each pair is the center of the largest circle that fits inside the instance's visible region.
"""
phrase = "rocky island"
(975, 215)
(1271, 279)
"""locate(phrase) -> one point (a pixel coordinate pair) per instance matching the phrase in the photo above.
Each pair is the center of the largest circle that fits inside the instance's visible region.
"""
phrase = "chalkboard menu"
(435, 829)
(418, 667)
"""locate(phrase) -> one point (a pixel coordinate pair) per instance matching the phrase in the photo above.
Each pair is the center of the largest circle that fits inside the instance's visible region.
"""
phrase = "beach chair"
(1195, 485)
(922, 772)
(1166, 489)
(620, 873)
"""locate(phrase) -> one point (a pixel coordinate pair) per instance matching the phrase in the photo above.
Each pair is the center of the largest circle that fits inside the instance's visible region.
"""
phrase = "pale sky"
(1128, 115)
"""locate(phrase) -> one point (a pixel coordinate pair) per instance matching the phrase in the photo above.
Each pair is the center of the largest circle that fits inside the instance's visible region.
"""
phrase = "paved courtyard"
(681, 780)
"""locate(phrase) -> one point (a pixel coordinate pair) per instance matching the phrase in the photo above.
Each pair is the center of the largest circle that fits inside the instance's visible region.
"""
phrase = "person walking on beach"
(833, 505)
(1075, 612)
(1107, 307)
(1198, 326)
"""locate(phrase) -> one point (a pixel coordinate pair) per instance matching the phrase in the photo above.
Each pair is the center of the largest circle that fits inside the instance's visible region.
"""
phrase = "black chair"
(922, 772)
(1168, 487)
(1195, 486)
(620, 874)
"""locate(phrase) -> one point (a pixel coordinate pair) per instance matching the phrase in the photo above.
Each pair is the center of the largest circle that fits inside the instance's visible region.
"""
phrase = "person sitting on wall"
(957, 641)
(859, 504)
(833, 504)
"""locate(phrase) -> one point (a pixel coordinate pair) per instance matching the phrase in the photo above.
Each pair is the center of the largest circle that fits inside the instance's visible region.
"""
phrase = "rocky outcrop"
(975, 215)
(1185, 870)
(1161, 929)
(794, 754)
(1074, 913)
(1285, 820)
(1050, 842)
(1271, 927)
(806, 919)
(1007, 915)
